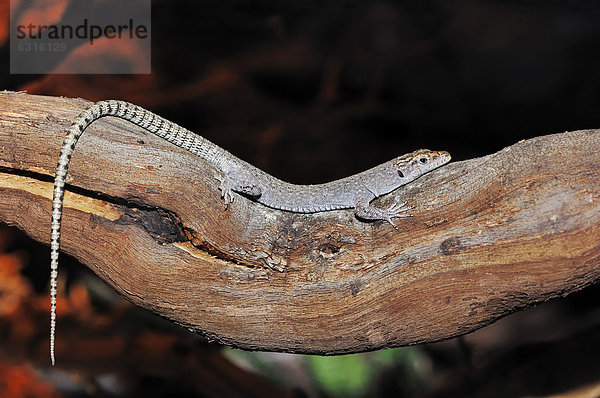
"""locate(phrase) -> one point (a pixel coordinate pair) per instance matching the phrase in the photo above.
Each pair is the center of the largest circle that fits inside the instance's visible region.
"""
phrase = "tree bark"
(488, 236)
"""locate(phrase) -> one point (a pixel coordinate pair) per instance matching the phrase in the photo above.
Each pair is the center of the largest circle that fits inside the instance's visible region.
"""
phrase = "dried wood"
(488, 236)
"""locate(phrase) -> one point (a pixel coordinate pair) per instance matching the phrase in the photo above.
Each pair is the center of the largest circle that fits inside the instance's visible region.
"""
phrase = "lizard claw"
(396, 210)
(389, 220)
(226, 190)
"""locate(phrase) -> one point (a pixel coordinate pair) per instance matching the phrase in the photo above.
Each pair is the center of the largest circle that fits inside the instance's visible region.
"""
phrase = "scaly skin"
(356, 191)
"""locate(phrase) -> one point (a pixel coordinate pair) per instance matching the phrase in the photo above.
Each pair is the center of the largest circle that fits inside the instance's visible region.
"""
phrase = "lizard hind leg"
(364, 210)
(229, 184)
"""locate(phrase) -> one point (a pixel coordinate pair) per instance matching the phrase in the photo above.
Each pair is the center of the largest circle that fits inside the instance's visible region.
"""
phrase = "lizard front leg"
(364, 210)
(238, 182)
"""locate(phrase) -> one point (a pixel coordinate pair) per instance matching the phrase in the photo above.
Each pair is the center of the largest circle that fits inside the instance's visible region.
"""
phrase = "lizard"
(236, 175)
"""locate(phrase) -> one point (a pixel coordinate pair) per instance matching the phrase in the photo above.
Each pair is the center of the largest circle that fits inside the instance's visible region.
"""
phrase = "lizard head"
(419, 162)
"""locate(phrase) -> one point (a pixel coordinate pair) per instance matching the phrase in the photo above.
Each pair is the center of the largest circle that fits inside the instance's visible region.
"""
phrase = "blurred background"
(309, 92)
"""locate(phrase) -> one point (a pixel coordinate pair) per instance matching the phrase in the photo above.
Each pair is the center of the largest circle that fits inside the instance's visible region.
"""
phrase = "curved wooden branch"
(488, 236)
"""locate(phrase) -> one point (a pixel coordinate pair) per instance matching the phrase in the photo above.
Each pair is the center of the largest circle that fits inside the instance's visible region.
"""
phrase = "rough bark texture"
(488, 236)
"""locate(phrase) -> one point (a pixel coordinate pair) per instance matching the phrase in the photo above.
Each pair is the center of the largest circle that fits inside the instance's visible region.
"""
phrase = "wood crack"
(427, 281)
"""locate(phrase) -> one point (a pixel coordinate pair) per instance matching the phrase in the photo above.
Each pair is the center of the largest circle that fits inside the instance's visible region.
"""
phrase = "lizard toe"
(389, 220)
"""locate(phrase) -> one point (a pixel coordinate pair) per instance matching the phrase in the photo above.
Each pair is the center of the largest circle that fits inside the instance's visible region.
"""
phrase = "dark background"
(312, 91)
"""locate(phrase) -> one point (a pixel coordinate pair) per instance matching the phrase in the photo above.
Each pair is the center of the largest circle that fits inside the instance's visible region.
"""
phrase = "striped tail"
(155, 124)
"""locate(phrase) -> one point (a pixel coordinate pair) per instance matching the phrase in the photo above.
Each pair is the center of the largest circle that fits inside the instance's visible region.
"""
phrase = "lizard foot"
(364, 210)
(226, 189)
(229, 184)
(397, 210)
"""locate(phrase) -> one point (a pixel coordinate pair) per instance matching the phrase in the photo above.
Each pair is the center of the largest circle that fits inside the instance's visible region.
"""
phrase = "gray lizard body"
(356, 191)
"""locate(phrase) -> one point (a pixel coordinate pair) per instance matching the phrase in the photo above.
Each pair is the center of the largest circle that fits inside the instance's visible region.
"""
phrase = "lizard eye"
(423, 160)
(400, 173)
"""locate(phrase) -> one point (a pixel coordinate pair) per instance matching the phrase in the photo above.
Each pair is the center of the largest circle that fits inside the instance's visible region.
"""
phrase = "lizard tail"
(73, 134)
(149, 121)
